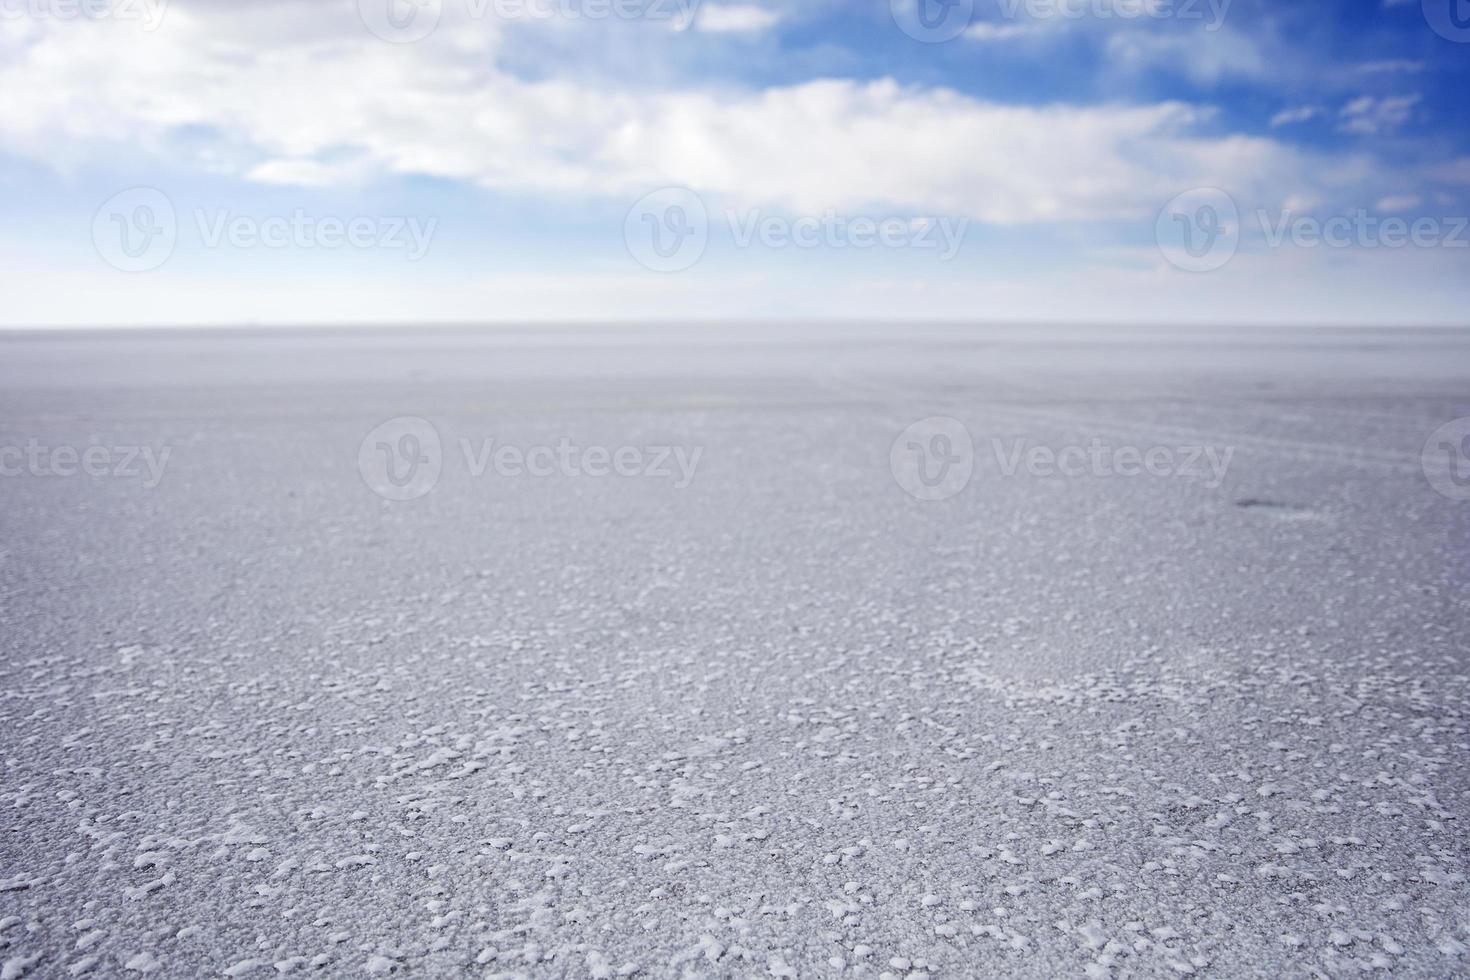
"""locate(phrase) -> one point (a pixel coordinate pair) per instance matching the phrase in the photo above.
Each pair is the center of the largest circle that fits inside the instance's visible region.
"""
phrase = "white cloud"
(1300, 204)
(303, 173)
(1394, 66)
(1296, 114)
(986, 31)
(306, 97)
(1369, 116)
(288, 107)
(1454, 172)
(1402, 202)
(1205, 57)
(734, 19)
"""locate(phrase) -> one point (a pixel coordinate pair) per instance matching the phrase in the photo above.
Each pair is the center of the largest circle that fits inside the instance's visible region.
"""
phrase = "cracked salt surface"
(786, 722)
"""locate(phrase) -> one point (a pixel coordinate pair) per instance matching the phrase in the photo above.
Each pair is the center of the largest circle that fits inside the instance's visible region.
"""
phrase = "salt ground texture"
(786, 721)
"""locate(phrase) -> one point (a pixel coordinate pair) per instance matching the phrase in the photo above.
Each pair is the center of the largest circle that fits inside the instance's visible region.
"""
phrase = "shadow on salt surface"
(1283, 511)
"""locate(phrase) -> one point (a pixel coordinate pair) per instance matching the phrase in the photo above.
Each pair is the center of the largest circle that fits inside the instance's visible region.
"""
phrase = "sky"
(203, 162)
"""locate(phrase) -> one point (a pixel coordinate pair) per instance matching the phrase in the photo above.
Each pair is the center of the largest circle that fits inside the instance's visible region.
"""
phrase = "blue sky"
(1096, 160)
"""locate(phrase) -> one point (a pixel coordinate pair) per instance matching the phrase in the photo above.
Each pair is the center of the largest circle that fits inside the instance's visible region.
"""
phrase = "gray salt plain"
(785, 721)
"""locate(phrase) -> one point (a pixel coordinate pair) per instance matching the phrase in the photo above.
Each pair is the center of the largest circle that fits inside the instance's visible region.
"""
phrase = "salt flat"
(778, 715)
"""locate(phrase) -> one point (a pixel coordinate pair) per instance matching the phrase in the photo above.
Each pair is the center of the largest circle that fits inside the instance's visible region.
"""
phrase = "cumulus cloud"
(1369, 115)
(734, 19)
(292, 107)
(304, 173)
(1295, 114)
(1204, 57)
(987, 31)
